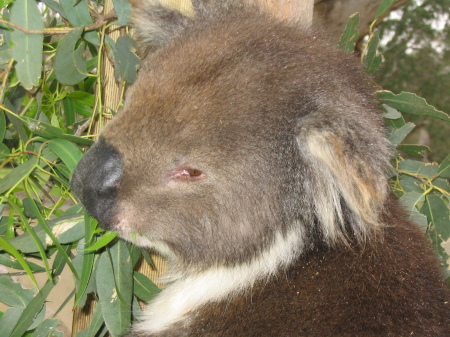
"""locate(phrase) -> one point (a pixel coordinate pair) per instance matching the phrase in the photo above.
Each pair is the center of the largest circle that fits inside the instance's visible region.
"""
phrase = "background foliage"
(51, 96)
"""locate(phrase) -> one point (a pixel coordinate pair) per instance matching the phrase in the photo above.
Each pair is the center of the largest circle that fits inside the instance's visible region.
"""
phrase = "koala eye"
(188, 173)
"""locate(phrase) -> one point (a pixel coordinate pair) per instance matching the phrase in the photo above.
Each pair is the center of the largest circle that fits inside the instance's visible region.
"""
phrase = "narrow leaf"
(12, 293)
(114, 278)
(144, 288)
(68, 152)
(27, 48)
(372, 60)
(103, 241)
(17, 175)
(383, 8)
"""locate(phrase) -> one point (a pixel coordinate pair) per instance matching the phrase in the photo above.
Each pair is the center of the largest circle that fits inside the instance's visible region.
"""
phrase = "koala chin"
(251, 154)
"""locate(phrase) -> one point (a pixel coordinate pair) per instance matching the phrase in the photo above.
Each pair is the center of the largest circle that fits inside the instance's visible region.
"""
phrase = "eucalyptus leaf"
(123, 11)
(438, 215)
(144, 288)
(350, 35)
(383, 8)
(68, 152)
(2, 125)
(125, 59)
(27, 48)
(444, 168)
(33, 308)
(411, 104)
(413, 149)
(70, 64)
(411, 199)
(396, 136)
(48, 329)
(9, 320)
(12, 293)
(114, 278)
(18, 174)
(372, 60)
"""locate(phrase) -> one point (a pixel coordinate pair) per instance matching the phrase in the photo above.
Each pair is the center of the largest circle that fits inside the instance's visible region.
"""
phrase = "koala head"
(239, 133)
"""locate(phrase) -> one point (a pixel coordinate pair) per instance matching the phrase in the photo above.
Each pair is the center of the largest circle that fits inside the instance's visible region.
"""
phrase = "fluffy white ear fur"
(343, 180)
(186, 294)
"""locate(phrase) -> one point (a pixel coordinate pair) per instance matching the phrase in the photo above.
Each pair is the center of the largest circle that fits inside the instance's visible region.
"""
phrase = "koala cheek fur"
(251, 155)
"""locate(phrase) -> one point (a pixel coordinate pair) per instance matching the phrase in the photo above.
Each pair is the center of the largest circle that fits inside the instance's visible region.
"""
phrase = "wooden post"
(284, 9)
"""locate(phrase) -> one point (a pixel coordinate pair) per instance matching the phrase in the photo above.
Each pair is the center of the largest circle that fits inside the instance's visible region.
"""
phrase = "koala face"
(238, 130)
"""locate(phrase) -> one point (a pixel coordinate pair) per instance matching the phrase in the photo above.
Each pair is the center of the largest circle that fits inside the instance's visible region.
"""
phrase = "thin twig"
(55, 31)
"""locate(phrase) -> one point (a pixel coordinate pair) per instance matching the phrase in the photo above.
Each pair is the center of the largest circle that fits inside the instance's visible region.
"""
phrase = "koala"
(250, 153)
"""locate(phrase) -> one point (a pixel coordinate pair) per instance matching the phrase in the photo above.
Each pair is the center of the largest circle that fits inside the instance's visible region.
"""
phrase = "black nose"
(96, 182)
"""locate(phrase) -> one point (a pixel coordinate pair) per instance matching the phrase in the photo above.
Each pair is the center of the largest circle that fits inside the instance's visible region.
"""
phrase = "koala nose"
(96, 182)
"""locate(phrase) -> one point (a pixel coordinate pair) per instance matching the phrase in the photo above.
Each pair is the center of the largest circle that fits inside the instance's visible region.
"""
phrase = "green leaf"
(33, 308)
(411, 200)
(6, 260)
(69, 153)
(114, 278)
(77, 13)
(444, 168)
(126, 60)
(70, 64)
(350, 35)
(2, 125)
(391, 113)
(413, 149)
(144, 288)
(48, 329)
(123, 12)
(396, 136)
(9, 320)
(18, 174)
(12, 293)
(7, 246)
(68, 229)
(438, 215)
(383, 8)
(49, 131)
(372, 60)
(27, 48)
(411, 104)
(419, 219)
(103, 241)
(410, 184)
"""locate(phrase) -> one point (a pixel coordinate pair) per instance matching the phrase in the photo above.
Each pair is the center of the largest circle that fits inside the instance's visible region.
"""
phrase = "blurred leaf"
(27, 48)
(8, 247)
(56, 7)
(350, 35)
(419, 219)
(27, 209)
(68, 152)
(84, 263)
(444, 168)
(4, 152)
(396, 136)
(442, 183)
(114, 278)
(2, 125)
(18, 174)
(372, 60)
(391, 113)
(33, 308)
(383, 8)
(83, 98)
(7, 261)
(144, 288)
(413, 150)
(123, 12)
(438, 215)
(70, 64)
(48, 329)
(125, 60)
(9, 320)
(411, 104)
(12, 293)
(77, 13)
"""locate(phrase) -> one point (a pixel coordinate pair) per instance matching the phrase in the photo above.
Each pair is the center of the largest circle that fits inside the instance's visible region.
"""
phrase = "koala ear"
(159, 21)
(349, 178)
